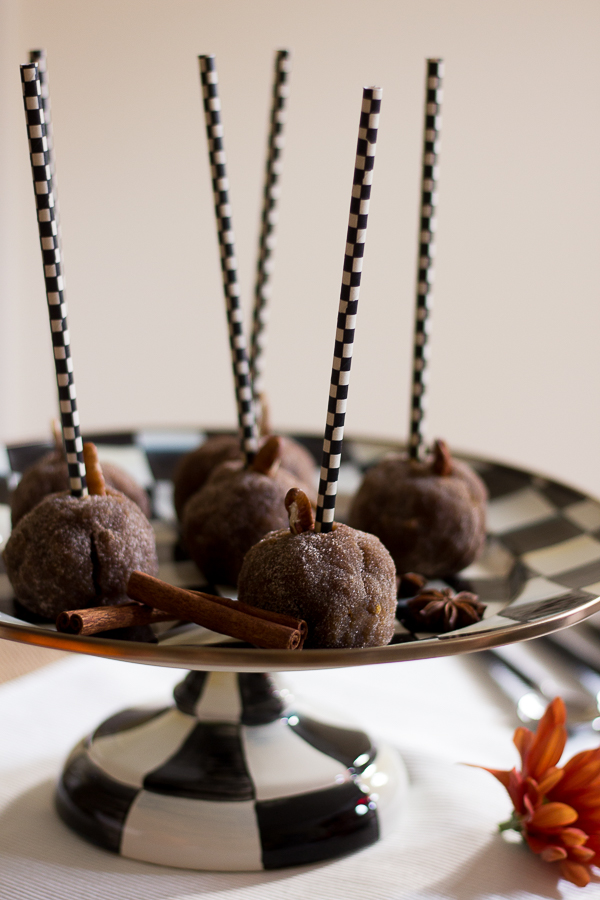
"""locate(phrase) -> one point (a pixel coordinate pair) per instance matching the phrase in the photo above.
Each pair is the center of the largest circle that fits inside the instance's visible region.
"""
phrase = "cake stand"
(235, 775)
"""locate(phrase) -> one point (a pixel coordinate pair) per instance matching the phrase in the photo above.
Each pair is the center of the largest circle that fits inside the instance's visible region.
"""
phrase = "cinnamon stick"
(268, 630)
(105, 618)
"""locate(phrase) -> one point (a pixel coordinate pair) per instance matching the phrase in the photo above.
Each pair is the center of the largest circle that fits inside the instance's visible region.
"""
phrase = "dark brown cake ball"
(430, 515)
(234, 509)
(342, 582)
(49, 475)
(75, 552)
(194, 468)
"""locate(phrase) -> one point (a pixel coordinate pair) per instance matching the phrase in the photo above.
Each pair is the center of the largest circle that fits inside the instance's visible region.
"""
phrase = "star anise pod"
(440, 611)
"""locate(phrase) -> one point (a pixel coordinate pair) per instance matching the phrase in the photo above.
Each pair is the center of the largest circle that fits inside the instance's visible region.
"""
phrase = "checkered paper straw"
(220, 184)
(266, 243)
(39, 57)
(431, 149)
(51, 256)
(348, 308)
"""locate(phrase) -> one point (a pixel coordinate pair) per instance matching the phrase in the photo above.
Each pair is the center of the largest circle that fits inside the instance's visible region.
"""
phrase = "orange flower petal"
(552, 815)
(515, 787)
(593, 843)
(573, 837)
(587, 796)
(551, 853)
(533, 793)
(580, 759)
(574, 872)
(549, 741)
(582, 776)
(581, 854)
(502, 775)
(546, 753)
(550, 780)
(523, 739)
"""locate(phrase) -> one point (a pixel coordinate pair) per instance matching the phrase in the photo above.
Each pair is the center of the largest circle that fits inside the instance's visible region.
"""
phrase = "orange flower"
(556, 810)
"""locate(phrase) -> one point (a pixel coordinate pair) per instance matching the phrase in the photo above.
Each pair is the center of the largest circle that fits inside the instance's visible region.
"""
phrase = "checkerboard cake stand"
(235, 775)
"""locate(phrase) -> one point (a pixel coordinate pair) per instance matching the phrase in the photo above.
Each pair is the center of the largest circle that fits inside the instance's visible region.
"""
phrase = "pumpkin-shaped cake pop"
(77, 552)
(236, 507)
(429, 514)
(194, 468)
(49, 475)
(341, 582)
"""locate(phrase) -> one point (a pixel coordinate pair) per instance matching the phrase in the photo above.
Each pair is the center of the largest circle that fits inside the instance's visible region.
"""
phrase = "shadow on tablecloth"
(39, 853)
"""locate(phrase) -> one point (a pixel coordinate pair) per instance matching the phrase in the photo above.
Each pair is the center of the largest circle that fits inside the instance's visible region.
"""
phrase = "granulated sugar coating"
(49, 475)
(77, 552)
(194, 468)
(432, 524)
(234, 509)
(343, 583)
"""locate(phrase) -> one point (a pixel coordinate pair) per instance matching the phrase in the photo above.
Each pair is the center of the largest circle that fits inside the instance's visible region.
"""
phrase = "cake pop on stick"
(56, 471)
(194, 468)
(429, 512)
(53, 277)
(237, 506)
(240, 501)
(49, 475)
(343, 580)
(76, 552)
(77, 549)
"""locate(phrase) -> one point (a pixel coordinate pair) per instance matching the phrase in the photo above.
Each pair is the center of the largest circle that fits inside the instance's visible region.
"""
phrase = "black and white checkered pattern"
(266, 243)
(227, 779)
(431, 149)
(51, 255)
(39, 57)
(348, 308)
(220, 184)
(542, 554)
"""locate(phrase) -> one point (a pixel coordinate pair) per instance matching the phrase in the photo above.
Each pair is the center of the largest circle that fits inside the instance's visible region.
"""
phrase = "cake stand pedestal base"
(230, 778)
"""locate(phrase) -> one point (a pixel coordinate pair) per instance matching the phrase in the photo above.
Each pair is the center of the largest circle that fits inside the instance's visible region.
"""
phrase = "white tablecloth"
(439, 713)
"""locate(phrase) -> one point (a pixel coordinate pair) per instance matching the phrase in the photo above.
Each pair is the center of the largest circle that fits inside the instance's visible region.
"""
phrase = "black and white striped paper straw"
(39, 57)
(51, 256)
(266, 243)
(431, 149)
(348, 308)
(220, 184)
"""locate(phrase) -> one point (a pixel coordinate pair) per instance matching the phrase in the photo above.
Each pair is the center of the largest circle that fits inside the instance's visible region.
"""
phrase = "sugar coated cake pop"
(49, 475)
(76, 552)
(342, 582)
(194, 468)
(236, 507)
(429, 514)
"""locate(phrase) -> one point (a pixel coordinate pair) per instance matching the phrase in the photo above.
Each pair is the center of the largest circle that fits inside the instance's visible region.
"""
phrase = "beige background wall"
(515, 369)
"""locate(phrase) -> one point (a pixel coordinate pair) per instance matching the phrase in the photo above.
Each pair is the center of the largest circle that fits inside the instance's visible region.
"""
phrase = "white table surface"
(439, 713)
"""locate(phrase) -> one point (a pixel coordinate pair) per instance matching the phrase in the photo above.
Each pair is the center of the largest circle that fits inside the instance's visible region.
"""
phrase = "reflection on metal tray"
(540, 570)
